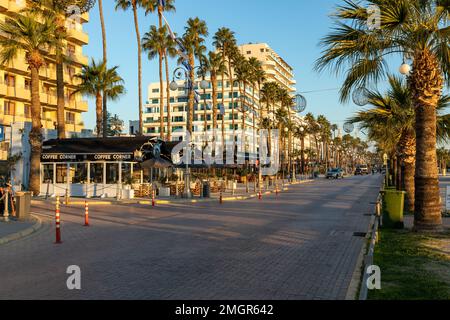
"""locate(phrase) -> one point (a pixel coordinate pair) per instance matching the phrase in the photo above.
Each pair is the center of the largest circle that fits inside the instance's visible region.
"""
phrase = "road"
(299, 245)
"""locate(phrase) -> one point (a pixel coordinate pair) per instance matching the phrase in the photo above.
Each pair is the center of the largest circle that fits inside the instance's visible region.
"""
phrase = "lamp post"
(189, 87)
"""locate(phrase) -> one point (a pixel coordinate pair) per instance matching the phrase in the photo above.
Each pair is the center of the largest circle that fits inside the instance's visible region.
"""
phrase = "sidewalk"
(14, 230)
(239, 195)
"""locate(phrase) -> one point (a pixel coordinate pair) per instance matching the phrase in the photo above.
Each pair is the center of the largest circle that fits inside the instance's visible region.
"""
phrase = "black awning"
(101, 149)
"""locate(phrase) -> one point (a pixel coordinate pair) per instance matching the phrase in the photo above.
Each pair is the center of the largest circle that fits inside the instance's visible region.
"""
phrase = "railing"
(374, 237)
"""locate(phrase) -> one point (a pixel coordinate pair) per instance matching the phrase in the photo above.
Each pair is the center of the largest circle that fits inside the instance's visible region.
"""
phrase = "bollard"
(221, 197)
(6, 204)
(86, 214)
(67, 197)
(260, 195)
(58, 222)
(276, 189)
(153, 198)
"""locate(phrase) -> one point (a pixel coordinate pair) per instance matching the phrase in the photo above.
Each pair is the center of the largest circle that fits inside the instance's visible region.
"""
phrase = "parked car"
(335, 173)
(362, 170)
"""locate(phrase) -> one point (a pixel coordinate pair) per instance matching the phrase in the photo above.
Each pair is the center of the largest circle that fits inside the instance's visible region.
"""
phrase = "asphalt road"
(299, 245)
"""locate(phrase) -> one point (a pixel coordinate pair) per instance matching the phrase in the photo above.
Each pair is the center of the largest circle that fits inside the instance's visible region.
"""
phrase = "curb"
(168, 202)
(24, 233)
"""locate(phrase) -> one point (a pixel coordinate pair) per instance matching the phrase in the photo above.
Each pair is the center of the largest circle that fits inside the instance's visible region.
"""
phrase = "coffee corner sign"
(61, 157)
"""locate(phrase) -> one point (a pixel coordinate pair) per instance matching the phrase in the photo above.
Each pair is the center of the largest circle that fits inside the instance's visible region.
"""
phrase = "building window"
(78, 173)
(262, 50)
(249, 52)
(70, 118)
(47, 170)
(155, 90)
(112, 173)
(61, 173)
(9, 108)
(155, 101)
(27, 84)
(10, 80)
(71, 50)
(27, 111)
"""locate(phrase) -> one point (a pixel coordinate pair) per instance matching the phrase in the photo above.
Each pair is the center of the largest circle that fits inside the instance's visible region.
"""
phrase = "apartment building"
(15, 82)
(276, 68)
(246, 105)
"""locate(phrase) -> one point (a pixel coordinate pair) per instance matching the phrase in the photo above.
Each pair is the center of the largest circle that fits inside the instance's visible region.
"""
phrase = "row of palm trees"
(416, 30)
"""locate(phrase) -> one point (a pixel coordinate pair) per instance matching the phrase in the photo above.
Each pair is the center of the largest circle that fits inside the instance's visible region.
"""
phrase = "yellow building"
(15, 81)
(276, 68)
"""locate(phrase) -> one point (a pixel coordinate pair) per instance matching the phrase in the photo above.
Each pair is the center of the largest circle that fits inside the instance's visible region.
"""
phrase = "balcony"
(78, 58)
(23, 93)
(78, 105)
(78, 36)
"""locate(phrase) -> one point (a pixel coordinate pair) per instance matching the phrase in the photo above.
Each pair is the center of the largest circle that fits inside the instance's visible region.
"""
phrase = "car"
(335, 173)
(362, 170)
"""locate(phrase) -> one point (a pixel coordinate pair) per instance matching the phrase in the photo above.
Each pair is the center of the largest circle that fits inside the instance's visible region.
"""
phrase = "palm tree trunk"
(161, 97)
(35, 136)
(409, 185)
(169, 111)
(426, 83)
(138, 38)
(99, 112)
(105, 58)
(60, 116)
(190, 112)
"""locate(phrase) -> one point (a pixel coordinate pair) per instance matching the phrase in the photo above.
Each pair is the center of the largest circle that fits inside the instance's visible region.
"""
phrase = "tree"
(170, 49)
(192, 40)
(105, 57)
(215, 66)
(391, 124)
(154, 43)
(115, 125)
(414, 29)
(225, 42)
(134, 4)
(97, 80)
(23, 33)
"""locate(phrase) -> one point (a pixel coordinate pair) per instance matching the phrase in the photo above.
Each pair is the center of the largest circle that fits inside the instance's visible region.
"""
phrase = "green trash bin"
(393, 206)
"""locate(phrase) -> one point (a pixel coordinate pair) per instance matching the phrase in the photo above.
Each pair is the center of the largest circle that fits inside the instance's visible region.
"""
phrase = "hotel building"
(277, 70)
(15, 110)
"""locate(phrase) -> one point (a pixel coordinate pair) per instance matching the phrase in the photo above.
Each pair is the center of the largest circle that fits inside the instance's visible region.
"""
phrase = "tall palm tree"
(23, 33)
(415, 29)
(215, 67)
(243, 75)
(98, 81)
(56, 11)
(170, 48)
(225, 42)
(193, 40)
(154, 43)
(105, 60)
(134, 4)
(391, 124)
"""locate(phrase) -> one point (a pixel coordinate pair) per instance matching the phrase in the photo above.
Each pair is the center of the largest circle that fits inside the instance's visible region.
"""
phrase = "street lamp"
(178, 75)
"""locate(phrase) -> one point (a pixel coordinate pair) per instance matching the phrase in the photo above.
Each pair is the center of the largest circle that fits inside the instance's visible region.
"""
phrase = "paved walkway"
(8, 228)
(299, 245)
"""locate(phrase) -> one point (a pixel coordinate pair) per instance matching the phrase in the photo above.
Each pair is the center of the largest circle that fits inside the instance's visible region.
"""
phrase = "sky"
(293, 28)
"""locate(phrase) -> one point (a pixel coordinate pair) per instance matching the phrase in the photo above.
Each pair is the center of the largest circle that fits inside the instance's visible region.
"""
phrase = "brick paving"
(11, 227)
(299, 245)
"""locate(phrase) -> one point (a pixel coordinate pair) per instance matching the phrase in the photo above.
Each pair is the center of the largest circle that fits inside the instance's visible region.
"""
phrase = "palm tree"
(154, 43)
(415, 29)
(23, 33)
(105, 60)
(134, 4)
(98, 81)
(193, 41)
(170, 48)
(56, 11)
(215, 67)
(225, 42)
(243, 74)
(391, 123)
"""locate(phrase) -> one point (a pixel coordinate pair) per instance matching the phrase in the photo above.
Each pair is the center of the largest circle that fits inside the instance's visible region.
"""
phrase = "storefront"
(97, 167)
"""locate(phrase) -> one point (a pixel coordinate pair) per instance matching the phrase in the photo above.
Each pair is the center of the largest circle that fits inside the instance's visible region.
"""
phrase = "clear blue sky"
(292, 28)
